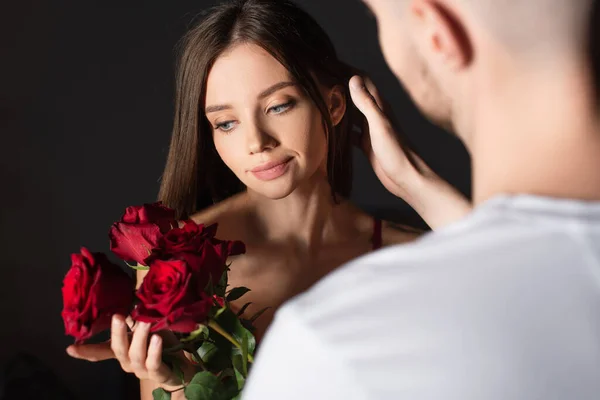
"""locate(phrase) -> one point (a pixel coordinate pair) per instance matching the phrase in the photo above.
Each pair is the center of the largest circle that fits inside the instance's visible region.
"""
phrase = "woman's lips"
(271, 170)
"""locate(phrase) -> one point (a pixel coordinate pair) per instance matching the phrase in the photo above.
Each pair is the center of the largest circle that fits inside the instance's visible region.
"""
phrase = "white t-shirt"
(504, 304)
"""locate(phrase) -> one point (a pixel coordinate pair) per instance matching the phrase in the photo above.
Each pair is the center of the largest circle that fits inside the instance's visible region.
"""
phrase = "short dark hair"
(195, 176)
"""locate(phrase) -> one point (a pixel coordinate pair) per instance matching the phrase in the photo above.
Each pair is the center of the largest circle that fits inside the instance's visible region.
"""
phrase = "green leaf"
(245, 354)
(201, 332)
(138, 267)
(238, 369)
(204, 386)
(232, 324)
(231, 386)
(207, 351)
(242, 334)
(174, 349)
(209, 289)
(179, 372)
(161, 394)
(223, 282)
(226, 373)
(258, 314)
(205, 379)
(243, 309)
(236, 293)
(197, 392)
(215, 355)
(220, 311)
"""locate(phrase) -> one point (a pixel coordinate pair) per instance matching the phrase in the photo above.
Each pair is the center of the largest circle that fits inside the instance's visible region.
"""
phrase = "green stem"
(213, 324)
(174, 349)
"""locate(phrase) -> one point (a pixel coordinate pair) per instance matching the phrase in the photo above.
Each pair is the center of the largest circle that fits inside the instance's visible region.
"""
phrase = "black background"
(85, 116)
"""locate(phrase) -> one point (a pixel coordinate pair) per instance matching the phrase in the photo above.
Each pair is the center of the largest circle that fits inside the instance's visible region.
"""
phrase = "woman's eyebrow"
(265, 93)
(272, 89)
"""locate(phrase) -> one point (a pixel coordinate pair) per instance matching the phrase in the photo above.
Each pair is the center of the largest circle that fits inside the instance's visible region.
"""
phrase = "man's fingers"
(363, 99)
(372, 89)
(91, 352)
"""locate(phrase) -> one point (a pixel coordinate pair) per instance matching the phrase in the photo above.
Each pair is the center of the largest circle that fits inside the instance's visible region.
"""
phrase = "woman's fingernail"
(155, 341)
(117, 323)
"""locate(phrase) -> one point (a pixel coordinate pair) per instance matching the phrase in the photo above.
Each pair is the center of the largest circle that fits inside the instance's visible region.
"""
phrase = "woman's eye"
(280, 109)
(225, 126)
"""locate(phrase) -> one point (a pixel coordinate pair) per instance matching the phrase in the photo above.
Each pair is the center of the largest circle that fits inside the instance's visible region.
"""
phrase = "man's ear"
(336, 102)
(440, 34)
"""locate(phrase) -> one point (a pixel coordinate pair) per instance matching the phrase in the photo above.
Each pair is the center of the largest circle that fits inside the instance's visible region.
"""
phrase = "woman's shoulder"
(395, 233)
(228, 214)
(383, 232)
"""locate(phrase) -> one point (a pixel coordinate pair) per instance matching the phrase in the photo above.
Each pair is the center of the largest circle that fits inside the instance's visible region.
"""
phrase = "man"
(505, 303)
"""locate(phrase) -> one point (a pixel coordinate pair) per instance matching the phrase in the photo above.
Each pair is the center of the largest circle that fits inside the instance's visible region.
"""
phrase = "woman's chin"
(273, 190)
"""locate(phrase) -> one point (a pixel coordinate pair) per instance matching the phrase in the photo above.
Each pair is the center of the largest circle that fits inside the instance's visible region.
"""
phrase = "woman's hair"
(195, 176)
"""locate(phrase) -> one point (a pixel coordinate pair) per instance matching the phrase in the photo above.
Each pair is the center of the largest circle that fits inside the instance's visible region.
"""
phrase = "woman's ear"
(337, 104)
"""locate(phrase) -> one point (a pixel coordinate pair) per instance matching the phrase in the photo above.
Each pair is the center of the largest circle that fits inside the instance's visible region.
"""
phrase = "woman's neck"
(306, 216)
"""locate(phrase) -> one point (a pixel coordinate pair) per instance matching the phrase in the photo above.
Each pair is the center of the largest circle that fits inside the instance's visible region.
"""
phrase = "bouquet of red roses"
(185, 292)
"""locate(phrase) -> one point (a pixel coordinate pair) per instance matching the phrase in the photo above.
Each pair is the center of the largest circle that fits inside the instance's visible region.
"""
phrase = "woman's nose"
(259, 140)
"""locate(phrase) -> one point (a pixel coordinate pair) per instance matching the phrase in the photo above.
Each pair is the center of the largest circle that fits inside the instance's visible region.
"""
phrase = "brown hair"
(195, 176)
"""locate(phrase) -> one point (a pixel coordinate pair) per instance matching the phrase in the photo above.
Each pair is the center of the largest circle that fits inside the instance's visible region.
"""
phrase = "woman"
(263, 134)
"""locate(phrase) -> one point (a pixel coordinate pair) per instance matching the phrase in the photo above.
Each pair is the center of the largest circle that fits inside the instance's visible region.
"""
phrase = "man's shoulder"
(459, 312)
(454, 265)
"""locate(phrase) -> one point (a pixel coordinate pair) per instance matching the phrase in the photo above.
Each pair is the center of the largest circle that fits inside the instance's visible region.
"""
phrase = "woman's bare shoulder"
(229, 214)
(391, 232)
(394, 233)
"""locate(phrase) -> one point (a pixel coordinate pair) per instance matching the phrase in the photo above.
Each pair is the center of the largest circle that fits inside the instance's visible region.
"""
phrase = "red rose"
(206, 264)
(192, 237)
(171, 299)
(93, 291)
(139, 231)
(155, 213)
(197, 245)
(219, 300)
(188, 238)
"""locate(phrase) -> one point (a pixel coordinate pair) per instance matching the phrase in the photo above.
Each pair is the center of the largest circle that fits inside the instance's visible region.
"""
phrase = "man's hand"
(399, 169)
(396, 166)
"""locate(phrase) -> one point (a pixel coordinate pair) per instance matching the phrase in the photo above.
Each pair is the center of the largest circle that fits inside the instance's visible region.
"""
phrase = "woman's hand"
(135, 354)
(398, 168)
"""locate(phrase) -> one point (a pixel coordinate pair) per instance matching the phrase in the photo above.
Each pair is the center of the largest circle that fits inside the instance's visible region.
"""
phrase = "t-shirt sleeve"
(294, 364)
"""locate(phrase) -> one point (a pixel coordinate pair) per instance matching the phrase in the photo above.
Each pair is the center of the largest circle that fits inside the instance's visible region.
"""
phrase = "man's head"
(462, 59)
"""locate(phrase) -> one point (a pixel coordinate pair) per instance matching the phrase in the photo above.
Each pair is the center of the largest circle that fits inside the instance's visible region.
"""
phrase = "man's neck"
(544, 141)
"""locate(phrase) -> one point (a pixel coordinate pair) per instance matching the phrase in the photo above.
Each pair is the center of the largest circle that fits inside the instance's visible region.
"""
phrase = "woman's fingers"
(138, 350)
(119, 342)
(91, 352)
(130, 323)
(157, 370)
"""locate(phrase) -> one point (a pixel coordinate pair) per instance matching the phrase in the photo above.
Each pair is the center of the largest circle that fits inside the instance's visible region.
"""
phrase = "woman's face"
(265, 128)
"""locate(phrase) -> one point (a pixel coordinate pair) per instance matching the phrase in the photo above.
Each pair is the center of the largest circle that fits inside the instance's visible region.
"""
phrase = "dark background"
(85, 117)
